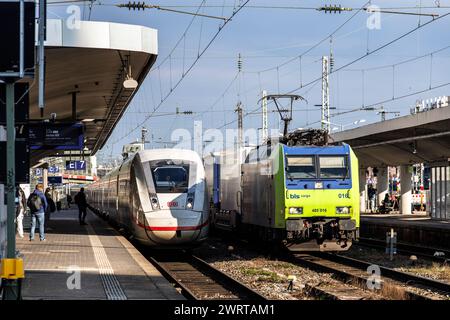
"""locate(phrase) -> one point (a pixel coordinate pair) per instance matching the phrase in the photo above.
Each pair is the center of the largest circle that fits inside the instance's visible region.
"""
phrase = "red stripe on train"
(177, 228)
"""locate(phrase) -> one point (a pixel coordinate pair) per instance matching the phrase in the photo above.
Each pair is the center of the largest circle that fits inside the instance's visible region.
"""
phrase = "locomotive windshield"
(333, 167)
(325, 167)
(170, 177)
(300, 167)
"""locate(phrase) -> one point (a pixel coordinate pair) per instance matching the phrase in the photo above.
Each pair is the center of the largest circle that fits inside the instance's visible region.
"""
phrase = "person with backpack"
(80, 200)
(38, 205)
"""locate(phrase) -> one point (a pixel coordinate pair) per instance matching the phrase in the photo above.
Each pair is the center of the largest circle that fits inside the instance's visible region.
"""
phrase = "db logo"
(172, 204)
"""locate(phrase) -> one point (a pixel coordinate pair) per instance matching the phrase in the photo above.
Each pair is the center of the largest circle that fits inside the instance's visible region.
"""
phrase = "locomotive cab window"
(170, 176)
(333, 167)
(300, 167)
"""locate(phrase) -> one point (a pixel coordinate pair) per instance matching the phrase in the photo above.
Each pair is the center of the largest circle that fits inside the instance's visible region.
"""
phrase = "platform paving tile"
(50, 265)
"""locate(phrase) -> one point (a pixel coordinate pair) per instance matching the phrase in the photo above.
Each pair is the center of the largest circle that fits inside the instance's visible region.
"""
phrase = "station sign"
(55, 180)
(56, 136)
(53, 169)
(38, 172)
(76, 165)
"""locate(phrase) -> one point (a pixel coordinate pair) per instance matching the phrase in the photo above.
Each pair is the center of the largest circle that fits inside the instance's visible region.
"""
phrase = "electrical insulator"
(334, 9)
(331, 62)
(239, 63)
(133, 5)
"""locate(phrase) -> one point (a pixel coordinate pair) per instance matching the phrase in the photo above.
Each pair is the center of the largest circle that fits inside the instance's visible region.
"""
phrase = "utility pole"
(240, 125)
(265, 122)
(325, 114)
(11, 271)
(143, 134)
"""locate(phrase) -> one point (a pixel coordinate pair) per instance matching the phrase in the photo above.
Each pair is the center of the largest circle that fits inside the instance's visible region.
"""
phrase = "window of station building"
(300, 167)
(333, 167)
(170, 176)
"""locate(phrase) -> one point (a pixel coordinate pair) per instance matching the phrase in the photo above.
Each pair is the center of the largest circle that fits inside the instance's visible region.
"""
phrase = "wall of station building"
(440, 192)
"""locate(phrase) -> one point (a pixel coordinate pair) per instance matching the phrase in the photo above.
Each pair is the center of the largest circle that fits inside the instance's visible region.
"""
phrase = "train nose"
(174, 227)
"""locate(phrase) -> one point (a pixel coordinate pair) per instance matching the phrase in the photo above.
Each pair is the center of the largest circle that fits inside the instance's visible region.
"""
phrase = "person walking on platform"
(20, 210)
(69, 200)
(80, 200)
(38, 205)
(51, 205)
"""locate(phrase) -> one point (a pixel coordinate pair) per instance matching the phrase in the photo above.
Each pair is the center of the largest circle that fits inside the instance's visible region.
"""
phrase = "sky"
(380, 59)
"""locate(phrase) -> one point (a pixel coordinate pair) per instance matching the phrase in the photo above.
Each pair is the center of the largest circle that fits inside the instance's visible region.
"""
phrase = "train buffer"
(87, 262)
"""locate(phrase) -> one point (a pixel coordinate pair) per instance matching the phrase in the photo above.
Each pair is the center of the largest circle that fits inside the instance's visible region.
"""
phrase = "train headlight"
(154, 201)
(190, 201)
(343, 210)
(295, 210)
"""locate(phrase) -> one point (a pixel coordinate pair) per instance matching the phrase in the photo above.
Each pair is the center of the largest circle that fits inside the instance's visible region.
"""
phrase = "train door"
(216, 185)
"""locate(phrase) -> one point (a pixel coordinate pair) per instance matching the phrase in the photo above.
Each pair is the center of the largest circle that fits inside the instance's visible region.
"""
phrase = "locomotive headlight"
(343, 210)
(295, 210)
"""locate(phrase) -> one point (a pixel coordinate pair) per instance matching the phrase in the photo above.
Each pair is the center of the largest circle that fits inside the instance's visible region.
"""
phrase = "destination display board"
(56, 136)
(21, 107)
(55, 180)
(10, 26)
(22, 162)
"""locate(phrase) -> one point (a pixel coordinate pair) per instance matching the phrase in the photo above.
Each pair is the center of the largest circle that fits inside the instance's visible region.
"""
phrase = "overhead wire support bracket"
(138, 6)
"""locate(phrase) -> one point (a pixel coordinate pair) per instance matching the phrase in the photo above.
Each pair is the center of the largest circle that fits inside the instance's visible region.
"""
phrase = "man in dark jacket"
(80, 200)
(37, 204)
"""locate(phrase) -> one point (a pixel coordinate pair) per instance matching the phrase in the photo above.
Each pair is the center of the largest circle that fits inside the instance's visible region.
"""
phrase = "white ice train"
(158, 195)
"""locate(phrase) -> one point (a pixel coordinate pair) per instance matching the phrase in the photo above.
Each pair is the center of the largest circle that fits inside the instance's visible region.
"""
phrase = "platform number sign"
(53, 169)
(76, 165)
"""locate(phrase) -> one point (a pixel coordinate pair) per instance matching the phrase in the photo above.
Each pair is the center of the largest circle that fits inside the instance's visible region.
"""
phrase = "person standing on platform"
(38, 205)
(372, 192)
(81, 201)
(20, 210)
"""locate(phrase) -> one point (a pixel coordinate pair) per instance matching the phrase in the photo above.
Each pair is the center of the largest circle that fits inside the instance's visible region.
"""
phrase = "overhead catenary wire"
(235, 12)
(315, 45)
(358, 59)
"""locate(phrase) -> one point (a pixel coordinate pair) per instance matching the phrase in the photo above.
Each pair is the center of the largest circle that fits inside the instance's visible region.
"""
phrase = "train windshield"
(300, 167)
(170, 177)
(333, 167)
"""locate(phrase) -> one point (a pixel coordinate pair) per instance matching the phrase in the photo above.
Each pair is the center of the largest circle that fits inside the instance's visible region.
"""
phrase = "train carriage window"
(300, 167)
(170, 176)
(333, 167)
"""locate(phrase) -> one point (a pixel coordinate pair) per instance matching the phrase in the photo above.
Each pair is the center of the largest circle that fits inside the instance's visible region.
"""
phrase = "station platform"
(87, 262)
(417, 229)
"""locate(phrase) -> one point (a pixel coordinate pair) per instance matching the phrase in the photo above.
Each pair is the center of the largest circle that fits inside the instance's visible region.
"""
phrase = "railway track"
(393, 284)
(408, 249)
(198, 280)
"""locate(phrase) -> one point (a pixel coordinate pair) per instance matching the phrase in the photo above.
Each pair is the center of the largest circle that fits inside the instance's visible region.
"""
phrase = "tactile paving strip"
(110, 282)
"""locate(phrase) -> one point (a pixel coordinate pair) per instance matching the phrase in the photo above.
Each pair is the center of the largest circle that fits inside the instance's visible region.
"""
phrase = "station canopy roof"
(423, 137)
(92, 61)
